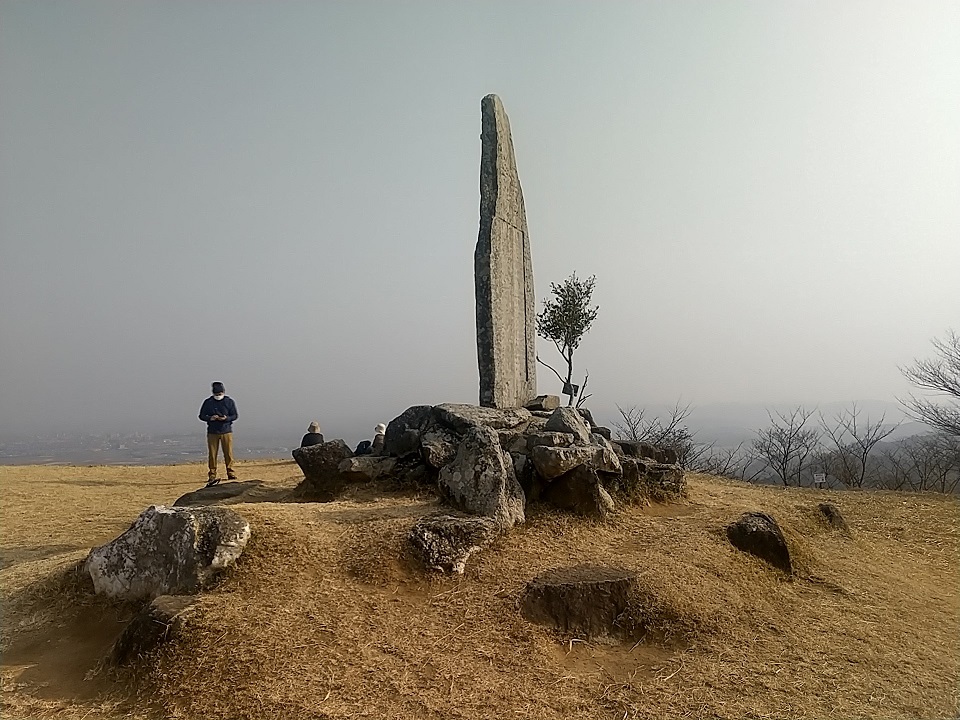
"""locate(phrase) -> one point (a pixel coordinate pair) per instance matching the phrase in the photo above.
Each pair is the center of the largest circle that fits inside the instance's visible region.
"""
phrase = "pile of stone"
(489, 463)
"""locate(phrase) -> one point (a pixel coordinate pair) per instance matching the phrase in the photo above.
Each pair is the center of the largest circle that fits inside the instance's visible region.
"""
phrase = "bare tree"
(853, 440)
(942, 376)
(671, 432)
(927, 462)
(785, 446)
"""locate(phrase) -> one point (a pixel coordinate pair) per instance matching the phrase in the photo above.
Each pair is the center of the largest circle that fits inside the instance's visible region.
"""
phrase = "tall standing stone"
(503, 272)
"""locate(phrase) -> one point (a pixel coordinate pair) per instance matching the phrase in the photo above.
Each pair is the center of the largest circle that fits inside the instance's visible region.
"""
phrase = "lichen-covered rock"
(480, 480)
(513, 441)
(460, 418)
(549, 439)
(169, 551)
(445, 542)
(568, 420)
(322, 480)
(580, 491)
(438, 447)
(551, 462)
(758, 534)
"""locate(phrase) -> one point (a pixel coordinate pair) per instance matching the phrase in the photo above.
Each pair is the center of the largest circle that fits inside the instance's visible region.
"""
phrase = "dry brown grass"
(325, 617)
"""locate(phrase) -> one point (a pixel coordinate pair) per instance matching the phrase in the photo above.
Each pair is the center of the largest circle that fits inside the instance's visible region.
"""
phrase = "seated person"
(379, 432)
(313, 436)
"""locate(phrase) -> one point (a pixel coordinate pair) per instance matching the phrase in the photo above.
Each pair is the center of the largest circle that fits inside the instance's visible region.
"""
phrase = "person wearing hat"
(313, 436)
(380, 432)
(218, 412)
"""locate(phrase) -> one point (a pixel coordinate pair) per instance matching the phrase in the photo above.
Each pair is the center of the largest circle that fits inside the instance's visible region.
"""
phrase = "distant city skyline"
(284, 197)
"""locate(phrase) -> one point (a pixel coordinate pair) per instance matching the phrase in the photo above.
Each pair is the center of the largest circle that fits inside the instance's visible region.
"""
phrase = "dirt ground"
(327, 617)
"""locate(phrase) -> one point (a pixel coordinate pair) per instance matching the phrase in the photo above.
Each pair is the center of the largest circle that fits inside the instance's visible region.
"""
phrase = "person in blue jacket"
(218, 412)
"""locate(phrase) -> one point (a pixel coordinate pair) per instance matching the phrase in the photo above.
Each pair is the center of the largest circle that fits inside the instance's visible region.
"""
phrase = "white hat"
(380, 429)
(313, 427)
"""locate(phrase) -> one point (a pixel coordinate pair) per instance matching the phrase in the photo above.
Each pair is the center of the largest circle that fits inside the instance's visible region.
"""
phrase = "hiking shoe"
(232, 477)
(212, 481)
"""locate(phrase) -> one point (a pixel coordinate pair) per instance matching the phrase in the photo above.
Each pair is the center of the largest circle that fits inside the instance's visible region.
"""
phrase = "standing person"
(218, 412)
(313, 436)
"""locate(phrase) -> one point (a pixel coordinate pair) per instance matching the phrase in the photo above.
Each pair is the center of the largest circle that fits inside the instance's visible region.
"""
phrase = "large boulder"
(568, 420)
(169, 551)
(157, 622)
(403, 432)
(481, 480)
(551, 462)
(445, 542)
(460, 418)
(580, 491)
(590, 600)
(758, 534)
(322, 480)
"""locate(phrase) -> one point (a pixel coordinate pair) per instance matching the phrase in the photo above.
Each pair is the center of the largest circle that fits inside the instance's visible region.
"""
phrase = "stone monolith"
(503, 272)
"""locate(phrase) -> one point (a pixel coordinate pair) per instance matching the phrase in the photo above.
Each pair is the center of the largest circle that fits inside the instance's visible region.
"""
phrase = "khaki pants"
(214, 442)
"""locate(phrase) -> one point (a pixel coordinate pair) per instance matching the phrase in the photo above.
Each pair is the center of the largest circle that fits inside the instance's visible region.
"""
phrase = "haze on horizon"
(284, 197)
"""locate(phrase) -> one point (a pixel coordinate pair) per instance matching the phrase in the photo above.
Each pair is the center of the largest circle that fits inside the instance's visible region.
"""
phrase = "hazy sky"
(284, 196)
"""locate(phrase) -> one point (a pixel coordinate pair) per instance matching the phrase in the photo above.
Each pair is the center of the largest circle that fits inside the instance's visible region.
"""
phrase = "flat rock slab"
(154, 624)
(585, 599)
(446, 542)
(758, 534)
(169, 551)
(222, 494)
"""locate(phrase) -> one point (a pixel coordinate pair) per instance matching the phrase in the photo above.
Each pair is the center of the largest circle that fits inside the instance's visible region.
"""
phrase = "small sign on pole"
(819, 479)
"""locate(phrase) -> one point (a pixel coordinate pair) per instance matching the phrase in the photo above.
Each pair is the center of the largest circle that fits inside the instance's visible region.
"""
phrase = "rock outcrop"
(169, 551)
(156, 622)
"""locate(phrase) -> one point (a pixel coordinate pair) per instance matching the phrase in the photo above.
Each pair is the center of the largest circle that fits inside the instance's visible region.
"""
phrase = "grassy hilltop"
(324, 617)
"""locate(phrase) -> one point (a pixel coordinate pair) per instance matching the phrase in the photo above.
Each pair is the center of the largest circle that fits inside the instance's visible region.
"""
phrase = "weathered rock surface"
(551, 462)
(461, 418)
(156, 622)
(758, 534)
(169, 551)
(832, 516)
(226, 493)
(322, 480)
(568, 420)
(580, 491)
(589, 600)
(503, 271)
(438, 447)
(481, 479)
(403, 432)
(365, 468)
(446, 542)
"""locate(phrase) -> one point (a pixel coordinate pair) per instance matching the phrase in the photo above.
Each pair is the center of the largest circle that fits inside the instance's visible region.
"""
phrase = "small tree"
(941, 375)
(564, 320)
(853, 441)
